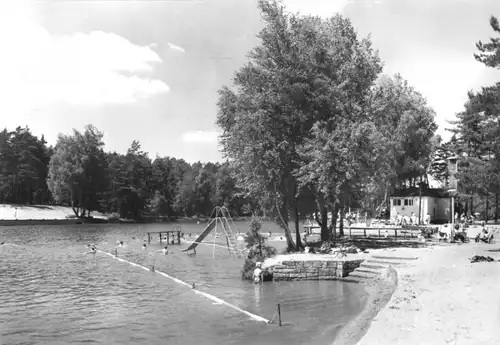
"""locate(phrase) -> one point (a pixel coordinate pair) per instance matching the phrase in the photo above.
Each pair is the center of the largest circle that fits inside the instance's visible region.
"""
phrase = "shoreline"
(440, 298)
(379, 293)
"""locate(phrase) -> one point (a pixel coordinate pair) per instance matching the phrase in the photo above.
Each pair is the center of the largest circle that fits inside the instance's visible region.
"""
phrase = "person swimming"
(120, 244)
(164, 250)
(144, 246)
(92, 249)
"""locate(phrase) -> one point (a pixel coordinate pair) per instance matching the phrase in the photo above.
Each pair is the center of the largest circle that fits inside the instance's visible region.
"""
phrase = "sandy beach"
(440, 298)
(26, 212)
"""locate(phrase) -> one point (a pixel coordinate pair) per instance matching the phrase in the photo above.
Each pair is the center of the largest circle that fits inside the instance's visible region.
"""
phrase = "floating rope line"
(274, 317)
(207, 295)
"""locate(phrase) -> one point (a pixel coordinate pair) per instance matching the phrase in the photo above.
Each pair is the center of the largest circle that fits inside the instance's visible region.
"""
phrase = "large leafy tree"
(78, 172)
(408, 125)
(308, 79)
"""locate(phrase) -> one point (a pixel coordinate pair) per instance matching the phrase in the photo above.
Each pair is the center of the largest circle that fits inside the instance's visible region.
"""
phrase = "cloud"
(322, 8)
(200, 136)
(39, 69)
(174, 47)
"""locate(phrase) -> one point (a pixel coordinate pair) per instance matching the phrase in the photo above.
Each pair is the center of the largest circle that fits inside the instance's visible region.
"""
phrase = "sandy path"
(442, 299)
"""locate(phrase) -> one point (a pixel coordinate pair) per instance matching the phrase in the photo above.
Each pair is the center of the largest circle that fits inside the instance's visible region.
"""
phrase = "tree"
(438, 168)
(490, 52)
(304, 71)
(258, 250)
(408, 125)
(78, 170)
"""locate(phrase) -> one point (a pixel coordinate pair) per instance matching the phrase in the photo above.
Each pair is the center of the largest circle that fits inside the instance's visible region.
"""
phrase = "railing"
(386, 232)
(411, 232)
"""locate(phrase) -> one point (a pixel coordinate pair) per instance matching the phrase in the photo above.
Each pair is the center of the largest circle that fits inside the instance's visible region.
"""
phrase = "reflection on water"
(53, 292)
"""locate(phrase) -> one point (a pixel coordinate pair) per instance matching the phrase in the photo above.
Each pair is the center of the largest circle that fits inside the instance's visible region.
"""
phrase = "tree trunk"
(341, 222)
(283, 216)
(496, 207)
(333, 231)
(325, 236)
(472, 204)
(486, 208)
(298, 242)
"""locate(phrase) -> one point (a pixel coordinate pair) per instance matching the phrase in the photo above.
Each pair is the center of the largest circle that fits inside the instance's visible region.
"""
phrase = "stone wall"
(313, 270)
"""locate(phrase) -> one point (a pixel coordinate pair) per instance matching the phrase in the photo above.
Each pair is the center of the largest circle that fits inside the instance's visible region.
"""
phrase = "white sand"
(442, 299)
(24, 212)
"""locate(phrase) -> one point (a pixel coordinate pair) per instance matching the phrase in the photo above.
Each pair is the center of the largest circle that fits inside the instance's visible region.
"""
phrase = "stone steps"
(359, 275)
(367, 270)
(385, 264)
(372, 266)
(379, 257)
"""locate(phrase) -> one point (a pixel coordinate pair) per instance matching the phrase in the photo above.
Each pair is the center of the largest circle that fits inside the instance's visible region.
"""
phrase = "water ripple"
(52, 292)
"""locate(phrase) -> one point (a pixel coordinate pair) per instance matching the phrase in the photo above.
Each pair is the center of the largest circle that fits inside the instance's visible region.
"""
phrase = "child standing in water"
(257, 273)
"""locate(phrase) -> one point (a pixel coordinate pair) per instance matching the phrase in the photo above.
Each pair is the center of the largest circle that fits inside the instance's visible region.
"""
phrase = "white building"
(435, 202)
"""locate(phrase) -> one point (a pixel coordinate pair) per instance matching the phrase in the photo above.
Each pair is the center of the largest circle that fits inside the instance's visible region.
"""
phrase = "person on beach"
(485, 235)
(257, 273)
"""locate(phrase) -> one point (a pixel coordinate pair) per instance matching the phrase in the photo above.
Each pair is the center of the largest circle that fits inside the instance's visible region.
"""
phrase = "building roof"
(430, 192)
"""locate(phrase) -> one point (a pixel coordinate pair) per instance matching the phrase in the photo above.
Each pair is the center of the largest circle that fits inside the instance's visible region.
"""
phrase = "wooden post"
(350, 235)
(116, 252)
(396, 233)
(149, 238)
(364, 232)
(160, 237)
(168, 237)
(178, 237)
(378, 232)
(279, 314)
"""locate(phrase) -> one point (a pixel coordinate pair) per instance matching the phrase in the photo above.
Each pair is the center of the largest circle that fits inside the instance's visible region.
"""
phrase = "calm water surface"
(52, 292)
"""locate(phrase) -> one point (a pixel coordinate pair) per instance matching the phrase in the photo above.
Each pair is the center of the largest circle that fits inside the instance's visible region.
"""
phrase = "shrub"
(258, 250)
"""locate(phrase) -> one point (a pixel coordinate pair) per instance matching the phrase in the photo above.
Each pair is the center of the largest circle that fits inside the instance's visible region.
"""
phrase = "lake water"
(52, 292)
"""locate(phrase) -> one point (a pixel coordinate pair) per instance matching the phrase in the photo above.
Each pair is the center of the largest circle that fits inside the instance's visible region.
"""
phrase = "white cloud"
(174, 47)
(39, 69)
(200, 136)
(322, 8)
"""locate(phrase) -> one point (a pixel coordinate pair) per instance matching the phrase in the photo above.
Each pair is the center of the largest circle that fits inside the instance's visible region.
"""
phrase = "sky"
(149, 70)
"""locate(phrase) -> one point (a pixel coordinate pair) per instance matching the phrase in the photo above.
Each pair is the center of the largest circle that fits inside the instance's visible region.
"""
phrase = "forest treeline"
(78, 172)
(310, 126)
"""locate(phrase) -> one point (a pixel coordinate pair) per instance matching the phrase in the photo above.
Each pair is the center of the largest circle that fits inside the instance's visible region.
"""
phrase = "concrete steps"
(368, 271)
(398, 258)
(374, 265)
(359, 275)
(383, 262)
